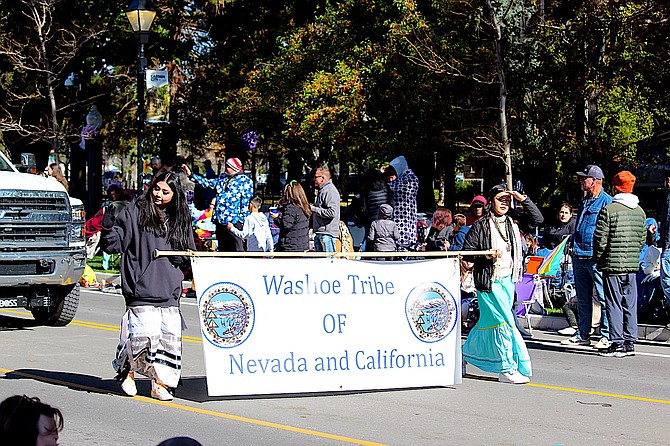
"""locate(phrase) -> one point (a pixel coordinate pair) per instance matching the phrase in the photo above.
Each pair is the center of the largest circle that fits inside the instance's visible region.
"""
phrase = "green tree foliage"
(355, 82)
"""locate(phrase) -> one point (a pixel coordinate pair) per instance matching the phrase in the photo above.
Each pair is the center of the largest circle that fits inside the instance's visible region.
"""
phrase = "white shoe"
(160, 392)
(128, 385)
(513, 378)
(602, 344)
(567, 331)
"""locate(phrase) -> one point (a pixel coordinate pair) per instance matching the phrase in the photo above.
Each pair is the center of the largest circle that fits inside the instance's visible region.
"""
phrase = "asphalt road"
(575, 397)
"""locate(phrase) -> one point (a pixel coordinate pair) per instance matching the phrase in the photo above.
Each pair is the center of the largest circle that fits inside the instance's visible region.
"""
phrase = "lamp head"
(141, 14)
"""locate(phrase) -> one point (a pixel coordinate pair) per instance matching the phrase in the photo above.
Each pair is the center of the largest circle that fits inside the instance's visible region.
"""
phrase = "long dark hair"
(175, 223)
(19, 418)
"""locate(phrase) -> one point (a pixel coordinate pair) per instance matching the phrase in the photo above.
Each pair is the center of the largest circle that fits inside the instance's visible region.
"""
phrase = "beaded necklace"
(504, 236)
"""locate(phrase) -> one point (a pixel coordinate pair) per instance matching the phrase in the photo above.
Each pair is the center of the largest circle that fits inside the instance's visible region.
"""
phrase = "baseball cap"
(592, 171)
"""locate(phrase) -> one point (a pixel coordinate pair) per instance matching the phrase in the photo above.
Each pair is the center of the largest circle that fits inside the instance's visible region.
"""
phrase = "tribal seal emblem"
(431, 311)
(227, 314)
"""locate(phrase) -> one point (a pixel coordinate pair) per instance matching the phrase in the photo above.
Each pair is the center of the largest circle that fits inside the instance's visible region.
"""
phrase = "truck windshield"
(4, 167)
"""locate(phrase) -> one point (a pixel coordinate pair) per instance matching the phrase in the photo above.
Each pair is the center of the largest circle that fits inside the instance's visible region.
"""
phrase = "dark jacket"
(377, 194)
(664, 224)
(293, 230)
(384, 233)
(478, 238)
(619, 236)
(436, 238)
(554, 235)
(145, 280)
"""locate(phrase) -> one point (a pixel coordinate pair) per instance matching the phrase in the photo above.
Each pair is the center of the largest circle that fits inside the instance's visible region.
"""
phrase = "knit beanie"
(235, 164)
(478, 199)
(624, 182)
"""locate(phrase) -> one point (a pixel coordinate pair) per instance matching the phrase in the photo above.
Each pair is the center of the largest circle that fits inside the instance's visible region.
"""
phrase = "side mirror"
(28, 163)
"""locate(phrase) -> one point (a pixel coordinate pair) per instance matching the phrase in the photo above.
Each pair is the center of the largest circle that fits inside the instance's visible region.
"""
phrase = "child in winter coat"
(384, 232)
(256, 229)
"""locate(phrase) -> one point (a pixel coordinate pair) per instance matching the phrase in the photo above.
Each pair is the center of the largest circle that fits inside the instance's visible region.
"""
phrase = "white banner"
(273, 326)
(157, 97)
(156, 78)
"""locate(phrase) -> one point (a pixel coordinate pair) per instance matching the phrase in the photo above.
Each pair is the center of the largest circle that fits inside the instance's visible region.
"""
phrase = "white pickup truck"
(42, 255)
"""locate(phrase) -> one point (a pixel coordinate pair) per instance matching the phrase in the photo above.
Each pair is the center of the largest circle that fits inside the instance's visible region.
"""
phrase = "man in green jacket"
(617, 242)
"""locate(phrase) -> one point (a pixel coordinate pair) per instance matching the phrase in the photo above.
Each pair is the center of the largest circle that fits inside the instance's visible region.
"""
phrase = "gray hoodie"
(256, 231)
(326, 210)
(384, 233)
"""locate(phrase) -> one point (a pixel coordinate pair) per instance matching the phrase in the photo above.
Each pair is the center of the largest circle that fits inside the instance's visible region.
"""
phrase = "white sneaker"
(575, 340)
(160, 392)
(128, 385)
(513, 378)
(603, 343)
(567, 331)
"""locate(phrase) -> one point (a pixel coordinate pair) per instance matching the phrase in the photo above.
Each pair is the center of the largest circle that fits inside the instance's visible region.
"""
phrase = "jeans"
(586, 276)
(324, 243)
(665, 273)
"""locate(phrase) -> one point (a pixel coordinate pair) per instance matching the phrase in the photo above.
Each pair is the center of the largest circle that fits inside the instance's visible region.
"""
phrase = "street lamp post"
(141, 15)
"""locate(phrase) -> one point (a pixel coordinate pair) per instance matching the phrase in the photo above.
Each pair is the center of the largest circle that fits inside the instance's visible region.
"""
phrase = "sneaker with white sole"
(614, 349)
(128, 384)
(567, 331)
(575, 340)
(160, 392)
(602, 344)
(629, 348)
(513, 378)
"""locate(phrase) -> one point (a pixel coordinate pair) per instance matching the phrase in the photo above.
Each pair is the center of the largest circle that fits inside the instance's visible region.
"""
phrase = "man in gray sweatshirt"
(325, 212)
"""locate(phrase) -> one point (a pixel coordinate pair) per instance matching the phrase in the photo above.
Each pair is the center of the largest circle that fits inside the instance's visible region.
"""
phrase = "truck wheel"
(61, 313)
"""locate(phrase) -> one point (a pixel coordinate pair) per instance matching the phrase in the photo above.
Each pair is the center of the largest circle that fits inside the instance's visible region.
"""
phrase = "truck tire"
(61, 313)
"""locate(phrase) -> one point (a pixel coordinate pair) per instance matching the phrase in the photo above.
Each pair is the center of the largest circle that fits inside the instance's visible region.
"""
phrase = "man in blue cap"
(584, 266)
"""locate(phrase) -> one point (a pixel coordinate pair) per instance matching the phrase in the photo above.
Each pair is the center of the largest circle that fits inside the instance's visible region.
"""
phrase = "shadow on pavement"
(195, 389)
(74, 381)
(16, 323)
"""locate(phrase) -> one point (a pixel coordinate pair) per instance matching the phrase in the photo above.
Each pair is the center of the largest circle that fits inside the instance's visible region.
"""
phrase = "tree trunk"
(504, 139)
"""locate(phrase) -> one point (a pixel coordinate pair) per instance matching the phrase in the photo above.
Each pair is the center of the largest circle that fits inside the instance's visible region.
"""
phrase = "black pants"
(229, 242)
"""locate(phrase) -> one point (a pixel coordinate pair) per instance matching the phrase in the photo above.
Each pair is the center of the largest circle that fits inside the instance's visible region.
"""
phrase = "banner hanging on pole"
(273, 326)
(157, 97)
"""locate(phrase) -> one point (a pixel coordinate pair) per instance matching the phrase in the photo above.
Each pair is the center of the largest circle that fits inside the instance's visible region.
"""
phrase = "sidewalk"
(655, 333)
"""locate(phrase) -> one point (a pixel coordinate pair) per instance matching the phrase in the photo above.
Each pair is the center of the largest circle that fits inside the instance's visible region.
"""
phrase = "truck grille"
(33, 219)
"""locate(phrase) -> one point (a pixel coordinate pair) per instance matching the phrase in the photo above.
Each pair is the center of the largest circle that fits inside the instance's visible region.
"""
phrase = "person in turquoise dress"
(495, 344)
